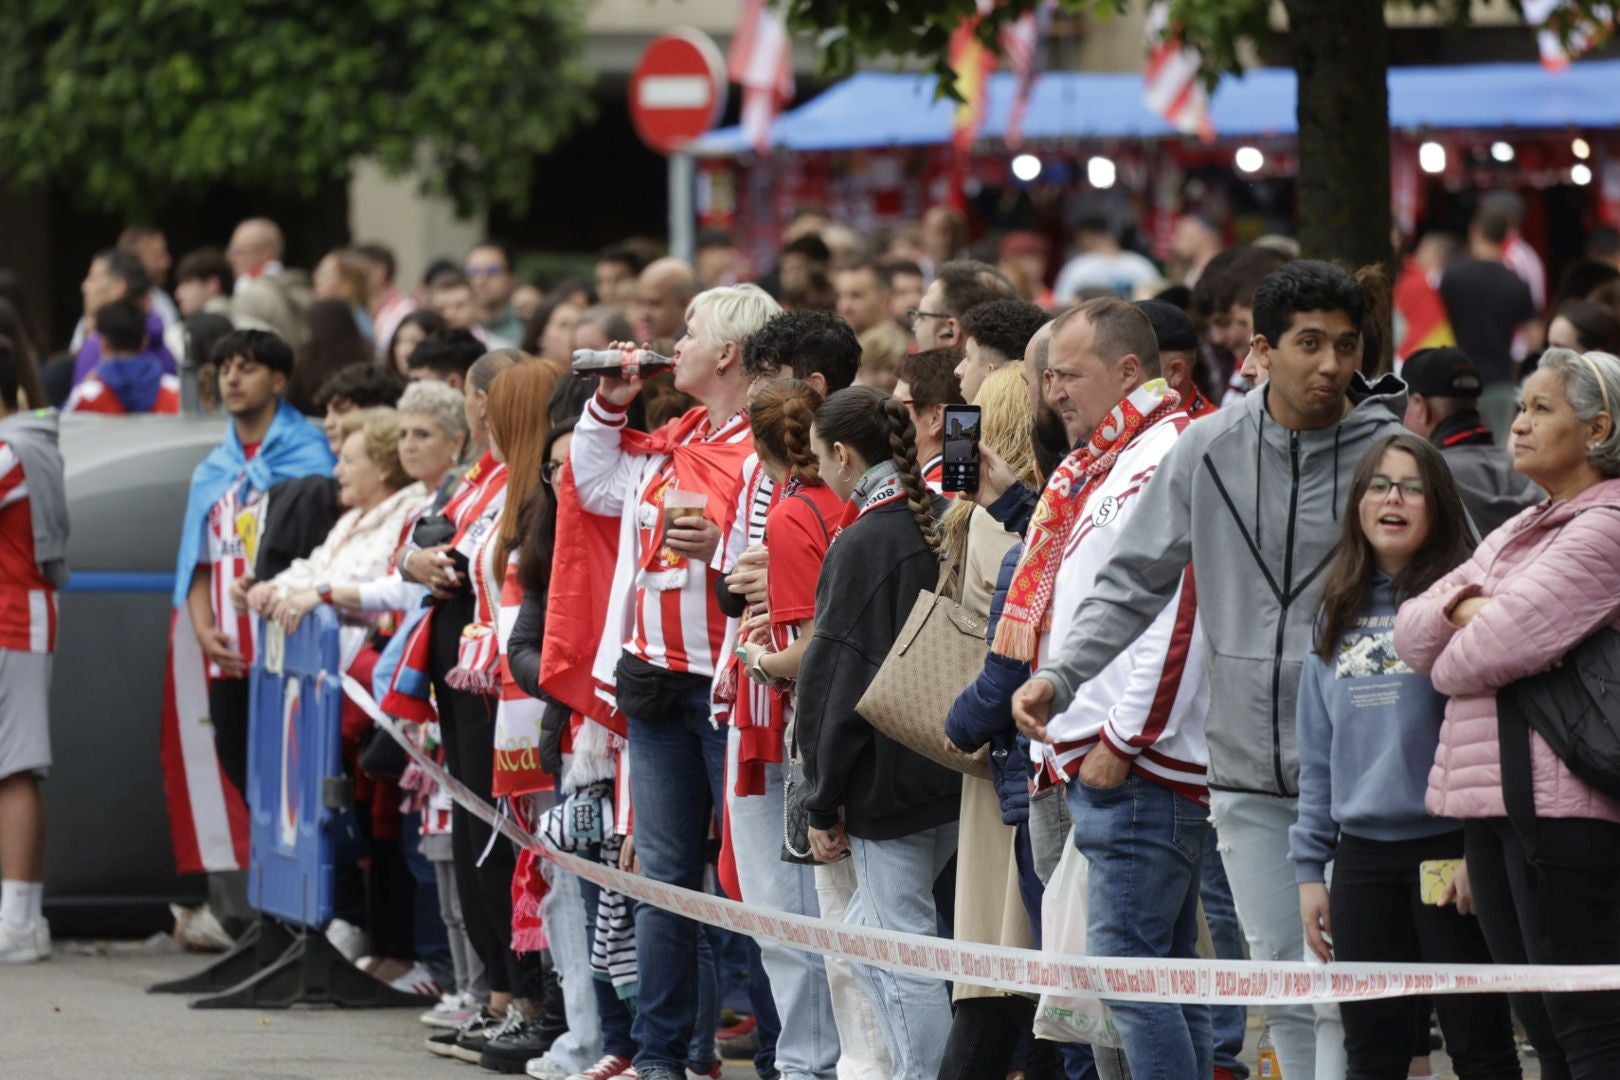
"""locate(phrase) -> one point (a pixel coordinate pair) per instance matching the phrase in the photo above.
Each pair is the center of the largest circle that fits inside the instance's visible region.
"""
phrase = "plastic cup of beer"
(680, 504)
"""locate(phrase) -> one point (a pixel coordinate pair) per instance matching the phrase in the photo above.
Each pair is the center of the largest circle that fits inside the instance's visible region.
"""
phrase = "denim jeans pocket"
(1100, 795)
(1190, 825)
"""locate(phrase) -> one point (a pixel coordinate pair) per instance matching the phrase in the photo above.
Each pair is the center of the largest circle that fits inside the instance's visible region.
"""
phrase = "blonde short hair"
(734, 312)
(380, 426)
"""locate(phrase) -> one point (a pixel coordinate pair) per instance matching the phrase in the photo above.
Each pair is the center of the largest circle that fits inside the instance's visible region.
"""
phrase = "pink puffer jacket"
(1553, 577)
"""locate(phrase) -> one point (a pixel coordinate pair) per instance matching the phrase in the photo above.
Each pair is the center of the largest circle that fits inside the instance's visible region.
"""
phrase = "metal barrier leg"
(309, 971)
(262, 943)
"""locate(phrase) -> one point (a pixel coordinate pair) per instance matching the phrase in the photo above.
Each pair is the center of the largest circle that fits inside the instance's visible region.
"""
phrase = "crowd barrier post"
(300, 804)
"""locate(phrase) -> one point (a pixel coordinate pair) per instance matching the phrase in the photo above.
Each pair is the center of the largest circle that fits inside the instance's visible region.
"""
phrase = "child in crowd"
(1368, 728)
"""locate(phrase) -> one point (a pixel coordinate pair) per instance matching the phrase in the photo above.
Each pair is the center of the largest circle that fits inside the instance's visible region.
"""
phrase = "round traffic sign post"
(677, 90)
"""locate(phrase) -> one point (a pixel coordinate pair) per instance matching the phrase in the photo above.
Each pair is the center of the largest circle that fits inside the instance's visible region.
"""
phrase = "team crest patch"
(1106, 512)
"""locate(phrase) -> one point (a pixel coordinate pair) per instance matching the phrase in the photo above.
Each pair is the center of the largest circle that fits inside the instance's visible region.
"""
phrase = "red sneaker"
(743, 1026)
(1223, 1074)
(712, 1072)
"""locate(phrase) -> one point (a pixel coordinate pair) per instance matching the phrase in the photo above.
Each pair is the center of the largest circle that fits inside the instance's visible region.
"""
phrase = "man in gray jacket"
(1444, 408)
(1252, 497)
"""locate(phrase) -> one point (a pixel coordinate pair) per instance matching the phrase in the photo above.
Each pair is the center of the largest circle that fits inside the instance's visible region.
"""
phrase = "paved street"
(85, 1015)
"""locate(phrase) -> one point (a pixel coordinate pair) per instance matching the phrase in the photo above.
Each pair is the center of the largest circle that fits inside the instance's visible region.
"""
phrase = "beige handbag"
(940, 651)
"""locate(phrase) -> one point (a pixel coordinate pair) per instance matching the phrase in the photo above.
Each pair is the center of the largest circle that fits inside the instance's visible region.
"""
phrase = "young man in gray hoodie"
(1252, 497)
(33, 565)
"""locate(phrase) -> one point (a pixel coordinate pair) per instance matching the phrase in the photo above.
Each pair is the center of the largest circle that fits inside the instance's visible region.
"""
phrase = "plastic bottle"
(1266, 1055)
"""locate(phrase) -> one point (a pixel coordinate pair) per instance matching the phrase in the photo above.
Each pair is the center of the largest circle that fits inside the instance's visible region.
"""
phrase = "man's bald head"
(255, 242)
(663, 290)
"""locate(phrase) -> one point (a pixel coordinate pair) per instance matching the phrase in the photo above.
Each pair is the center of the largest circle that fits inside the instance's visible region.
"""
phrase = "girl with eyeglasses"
(1368, 726)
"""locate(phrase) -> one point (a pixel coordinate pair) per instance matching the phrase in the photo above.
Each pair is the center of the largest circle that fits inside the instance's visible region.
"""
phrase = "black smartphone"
(961, 465)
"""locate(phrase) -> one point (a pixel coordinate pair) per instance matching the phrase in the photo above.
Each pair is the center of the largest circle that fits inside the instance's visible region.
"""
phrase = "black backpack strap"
(1518, 788)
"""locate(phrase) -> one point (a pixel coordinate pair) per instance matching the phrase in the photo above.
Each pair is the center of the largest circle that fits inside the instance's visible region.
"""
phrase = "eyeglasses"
(913, 314)
(484, 271)
(550, 470)
(1380, 485)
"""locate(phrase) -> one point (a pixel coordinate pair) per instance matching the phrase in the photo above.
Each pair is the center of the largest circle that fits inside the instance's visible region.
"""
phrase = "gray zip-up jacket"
(1256, 509)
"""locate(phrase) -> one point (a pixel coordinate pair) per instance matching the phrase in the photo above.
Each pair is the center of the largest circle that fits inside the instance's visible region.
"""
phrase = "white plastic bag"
(1065, 1017)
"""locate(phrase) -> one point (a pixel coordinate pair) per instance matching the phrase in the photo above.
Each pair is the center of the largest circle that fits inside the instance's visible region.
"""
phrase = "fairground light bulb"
(1581, 149)
(1026, 167)
(1581, 174)
(1100, 171)
(1249, 159)
(1502, 152)
(1432, 157)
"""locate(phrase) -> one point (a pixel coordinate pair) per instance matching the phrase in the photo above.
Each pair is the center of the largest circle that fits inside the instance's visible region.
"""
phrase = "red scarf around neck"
(1028, 611)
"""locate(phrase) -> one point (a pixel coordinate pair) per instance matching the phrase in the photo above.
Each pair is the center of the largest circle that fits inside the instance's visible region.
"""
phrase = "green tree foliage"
(126, 101)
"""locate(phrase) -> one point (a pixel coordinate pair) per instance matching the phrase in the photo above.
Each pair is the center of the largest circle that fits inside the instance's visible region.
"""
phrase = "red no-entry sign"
(677, 90)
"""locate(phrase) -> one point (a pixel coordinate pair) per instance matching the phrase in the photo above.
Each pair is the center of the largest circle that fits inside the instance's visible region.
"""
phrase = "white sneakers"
(348, 939)
(452, 1011)
(24, 943)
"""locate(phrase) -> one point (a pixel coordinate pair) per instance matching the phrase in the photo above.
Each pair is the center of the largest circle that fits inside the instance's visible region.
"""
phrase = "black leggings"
(467, 725)
(1378, 916)
(1562, 909)
(228, 713)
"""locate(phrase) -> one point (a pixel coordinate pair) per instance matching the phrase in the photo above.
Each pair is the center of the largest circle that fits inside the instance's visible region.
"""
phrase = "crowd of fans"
(1249, 598)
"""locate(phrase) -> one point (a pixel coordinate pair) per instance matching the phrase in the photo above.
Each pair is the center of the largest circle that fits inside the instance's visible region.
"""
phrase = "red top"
(93, 396)
(27, 600)
(798, 543)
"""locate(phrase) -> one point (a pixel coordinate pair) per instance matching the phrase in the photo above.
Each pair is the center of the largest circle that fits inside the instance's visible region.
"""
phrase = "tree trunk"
(1340, 51)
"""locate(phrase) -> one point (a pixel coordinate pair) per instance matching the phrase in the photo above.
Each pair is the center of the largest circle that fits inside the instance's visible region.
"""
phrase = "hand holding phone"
(960, 468)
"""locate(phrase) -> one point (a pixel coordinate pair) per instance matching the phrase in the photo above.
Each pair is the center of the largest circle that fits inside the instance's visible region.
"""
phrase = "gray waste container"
(109, 867)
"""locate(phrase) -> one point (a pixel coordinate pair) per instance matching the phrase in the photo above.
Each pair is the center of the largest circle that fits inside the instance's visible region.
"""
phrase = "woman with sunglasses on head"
(1368, 726)
(892, 811)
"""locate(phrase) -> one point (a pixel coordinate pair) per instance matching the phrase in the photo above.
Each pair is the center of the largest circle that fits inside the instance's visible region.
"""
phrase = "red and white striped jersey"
(27, 600)
(1150, 703)
(933, 474)
(235, 524)
(678, 629)
(94, 396)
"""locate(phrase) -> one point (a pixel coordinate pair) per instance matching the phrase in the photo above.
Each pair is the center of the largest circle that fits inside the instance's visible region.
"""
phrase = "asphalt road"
(85, 1015)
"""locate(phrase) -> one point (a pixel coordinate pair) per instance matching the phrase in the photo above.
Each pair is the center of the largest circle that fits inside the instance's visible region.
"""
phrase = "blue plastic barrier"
(295, 771)
(302, 826)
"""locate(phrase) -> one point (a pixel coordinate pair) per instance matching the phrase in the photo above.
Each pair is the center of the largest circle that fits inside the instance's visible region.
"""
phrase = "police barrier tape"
(1214, 982)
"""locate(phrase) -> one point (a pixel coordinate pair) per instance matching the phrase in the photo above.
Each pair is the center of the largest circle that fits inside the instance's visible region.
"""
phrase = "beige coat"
(989, 909)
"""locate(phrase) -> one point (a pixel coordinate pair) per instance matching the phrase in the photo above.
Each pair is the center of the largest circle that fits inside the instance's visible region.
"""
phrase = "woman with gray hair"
(1534, 590)
(432, 431)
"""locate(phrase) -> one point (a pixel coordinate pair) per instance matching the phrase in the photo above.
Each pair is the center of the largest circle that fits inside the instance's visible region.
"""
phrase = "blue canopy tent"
(876, 109)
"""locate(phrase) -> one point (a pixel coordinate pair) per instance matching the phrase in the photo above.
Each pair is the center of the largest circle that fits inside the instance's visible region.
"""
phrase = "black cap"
(1443, 372)
(1171, 326)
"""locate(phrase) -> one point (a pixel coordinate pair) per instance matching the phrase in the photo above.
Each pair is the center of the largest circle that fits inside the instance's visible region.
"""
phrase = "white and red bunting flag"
(761, 62)
(1172, 84)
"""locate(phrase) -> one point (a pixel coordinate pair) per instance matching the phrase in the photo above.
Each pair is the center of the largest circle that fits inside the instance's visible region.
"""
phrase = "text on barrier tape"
(1214, 982)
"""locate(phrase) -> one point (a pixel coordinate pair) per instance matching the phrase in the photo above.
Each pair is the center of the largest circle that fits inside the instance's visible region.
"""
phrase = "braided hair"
(878, 427)
(780, 414)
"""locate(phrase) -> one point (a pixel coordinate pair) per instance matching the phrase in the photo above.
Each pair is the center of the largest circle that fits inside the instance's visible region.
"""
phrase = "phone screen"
(961, 462)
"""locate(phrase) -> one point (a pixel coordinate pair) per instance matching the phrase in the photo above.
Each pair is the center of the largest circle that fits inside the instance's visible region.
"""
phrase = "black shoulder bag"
(1575, 707)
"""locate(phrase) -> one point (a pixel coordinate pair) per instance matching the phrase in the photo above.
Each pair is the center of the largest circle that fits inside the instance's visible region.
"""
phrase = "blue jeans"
(895, 891)
(611, 1010)
(677, 767)
(1145, 845)
(1229, 1023)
